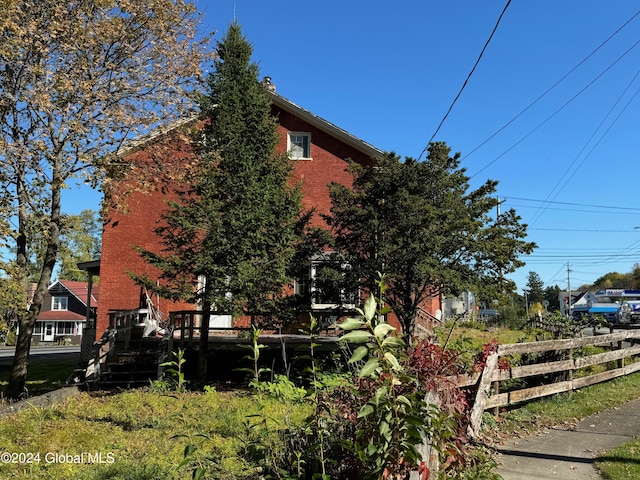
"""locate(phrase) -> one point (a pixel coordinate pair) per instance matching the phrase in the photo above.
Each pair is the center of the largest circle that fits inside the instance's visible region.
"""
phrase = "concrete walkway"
(560, 453)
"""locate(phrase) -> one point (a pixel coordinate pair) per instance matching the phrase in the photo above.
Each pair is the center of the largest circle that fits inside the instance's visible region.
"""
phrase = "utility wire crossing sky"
(541, 96)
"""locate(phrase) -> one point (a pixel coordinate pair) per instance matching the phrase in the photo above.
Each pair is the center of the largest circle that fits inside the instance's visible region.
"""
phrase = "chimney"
(270, 86)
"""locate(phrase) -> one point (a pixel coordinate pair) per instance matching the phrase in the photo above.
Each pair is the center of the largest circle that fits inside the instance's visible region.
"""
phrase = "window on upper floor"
(299, 145)
(59, 303)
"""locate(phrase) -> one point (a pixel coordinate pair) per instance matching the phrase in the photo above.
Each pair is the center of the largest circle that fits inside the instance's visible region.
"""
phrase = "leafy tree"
(80, 242)
(418, 224)
(635, 273)
(77, 79)
(534, 288)
(234, 226)
(611, 280)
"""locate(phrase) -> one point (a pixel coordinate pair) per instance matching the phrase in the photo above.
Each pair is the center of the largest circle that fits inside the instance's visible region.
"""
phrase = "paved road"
(56, 352)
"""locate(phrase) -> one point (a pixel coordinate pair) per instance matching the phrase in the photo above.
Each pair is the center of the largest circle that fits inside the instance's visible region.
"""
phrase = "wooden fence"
(563, 367)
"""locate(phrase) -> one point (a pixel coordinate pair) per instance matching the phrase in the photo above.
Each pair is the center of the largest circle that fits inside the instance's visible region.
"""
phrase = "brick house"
(318, 147)
(64, 312)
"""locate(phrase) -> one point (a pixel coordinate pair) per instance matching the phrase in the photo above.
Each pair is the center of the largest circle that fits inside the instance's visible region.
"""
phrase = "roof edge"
(326, 126)
(138, 144)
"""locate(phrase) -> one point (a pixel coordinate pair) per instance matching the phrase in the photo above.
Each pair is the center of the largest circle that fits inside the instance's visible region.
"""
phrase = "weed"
(175, 369)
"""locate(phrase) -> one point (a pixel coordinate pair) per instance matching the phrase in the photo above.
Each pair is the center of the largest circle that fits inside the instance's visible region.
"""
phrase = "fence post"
(428, 452)
(496, 390)
(484, 385)
(621, 361)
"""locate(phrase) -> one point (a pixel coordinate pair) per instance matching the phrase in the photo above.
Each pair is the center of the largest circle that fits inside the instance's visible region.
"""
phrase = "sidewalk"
(561, 454)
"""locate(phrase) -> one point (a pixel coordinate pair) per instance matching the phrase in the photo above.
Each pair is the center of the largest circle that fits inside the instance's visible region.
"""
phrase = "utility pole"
(500, 202)
(569, 286)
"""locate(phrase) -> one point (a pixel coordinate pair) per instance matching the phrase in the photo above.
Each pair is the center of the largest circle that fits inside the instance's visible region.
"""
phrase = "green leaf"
(366, 409)
(351, 324)
(384, 429)
(198, 473)
(381, 394)
(369, 367)
(359, 354)
(391, 358)
(370, 308)
(383, 329)
(189, 450)
(403, 399)
(357, 336)
(393, 342)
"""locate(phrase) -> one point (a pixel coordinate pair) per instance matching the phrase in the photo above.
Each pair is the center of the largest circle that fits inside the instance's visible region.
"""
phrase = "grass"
(621, 463)
(142, 435)
(147, 432)
(44, 374)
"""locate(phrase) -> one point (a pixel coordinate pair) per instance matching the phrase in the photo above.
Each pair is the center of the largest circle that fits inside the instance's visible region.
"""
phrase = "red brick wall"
(136, 226)
(327, 164)
(132, 225)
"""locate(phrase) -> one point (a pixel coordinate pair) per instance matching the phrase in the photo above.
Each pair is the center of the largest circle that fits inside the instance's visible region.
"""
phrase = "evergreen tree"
(552, 295)
(233, 228)
(417, 223)
(534, 288)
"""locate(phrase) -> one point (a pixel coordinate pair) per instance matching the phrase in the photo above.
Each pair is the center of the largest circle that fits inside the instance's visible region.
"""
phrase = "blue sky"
(388, 73)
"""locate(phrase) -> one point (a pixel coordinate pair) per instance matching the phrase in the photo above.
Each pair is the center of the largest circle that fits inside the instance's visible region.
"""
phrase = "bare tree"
(77, 79)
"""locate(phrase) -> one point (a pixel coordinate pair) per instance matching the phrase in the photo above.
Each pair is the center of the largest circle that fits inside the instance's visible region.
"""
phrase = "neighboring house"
(64, 311)
(320, 150)
(579, 300)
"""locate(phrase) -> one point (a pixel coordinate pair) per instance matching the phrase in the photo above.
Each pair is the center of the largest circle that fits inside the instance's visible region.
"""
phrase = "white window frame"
(59, 303)
(293, 147)
(308, 284)
(64, 328)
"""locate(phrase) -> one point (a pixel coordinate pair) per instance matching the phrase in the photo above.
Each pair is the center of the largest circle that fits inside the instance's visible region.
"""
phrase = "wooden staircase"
(123, 358)
(135, 366)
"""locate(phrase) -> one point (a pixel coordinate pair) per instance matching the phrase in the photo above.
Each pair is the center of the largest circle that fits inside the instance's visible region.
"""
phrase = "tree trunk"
(18, 376)
(203, 357)
(26, 322)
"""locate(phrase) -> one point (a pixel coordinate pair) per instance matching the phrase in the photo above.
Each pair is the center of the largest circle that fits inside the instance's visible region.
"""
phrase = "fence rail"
(567, 370)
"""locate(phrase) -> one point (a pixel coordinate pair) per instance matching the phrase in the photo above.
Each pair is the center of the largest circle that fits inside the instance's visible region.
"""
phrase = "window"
(328, 283)
(65, 328)
(59, 303)
(299, 145)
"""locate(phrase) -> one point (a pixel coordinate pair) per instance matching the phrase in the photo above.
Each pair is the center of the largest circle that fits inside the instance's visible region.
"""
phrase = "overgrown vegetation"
(294, 429)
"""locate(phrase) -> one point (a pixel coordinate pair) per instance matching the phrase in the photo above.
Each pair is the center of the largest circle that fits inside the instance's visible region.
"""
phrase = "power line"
(612, 207)
(541, 96)
(581, 230)
(537, 127)
(566, 177)
(466, 80)
(575, 210)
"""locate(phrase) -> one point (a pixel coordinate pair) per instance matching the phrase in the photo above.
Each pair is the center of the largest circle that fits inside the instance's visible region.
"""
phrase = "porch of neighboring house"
(58, 331)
